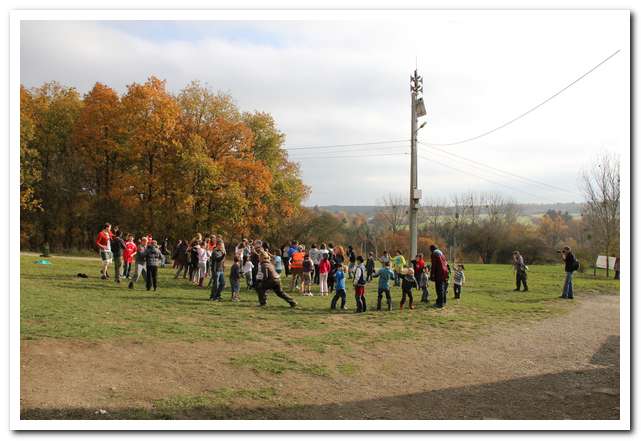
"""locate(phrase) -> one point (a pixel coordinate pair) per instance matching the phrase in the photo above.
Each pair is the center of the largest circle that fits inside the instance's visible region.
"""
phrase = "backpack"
(361, 278)
(576, 265)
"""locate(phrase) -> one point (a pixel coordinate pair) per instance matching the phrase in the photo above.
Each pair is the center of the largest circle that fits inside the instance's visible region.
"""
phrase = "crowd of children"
(261, 266)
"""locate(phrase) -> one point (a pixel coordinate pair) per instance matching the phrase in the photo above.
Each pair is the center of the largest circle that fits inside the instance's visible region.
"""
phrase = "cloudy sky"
(347, 82)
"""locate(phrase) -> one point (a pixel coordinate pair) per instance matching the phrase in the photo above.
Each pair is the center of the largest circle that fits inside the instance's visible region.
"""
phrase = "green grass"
(278, 363)
(56, 304)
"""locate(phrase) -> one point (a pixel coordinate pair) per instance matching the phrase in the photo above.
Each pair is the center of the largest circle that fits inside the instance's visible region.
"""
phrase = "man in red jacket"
(439, 274)
(104, 244)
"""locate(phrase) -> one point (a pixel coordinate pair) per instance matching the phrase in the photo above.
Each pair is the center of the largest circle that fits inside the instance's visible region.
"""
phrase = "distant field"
(60, 311)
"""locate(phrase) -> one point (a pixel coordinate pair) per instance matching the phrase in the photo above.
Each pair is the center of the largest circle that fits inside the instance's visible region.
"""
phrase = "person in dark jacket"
(180, 258)
(570, 267)
(439, 274)
(234, 279)
(521, 271)
(268, 279)
(408, 283)
(153, 259)
(217, 271)
(117, 248)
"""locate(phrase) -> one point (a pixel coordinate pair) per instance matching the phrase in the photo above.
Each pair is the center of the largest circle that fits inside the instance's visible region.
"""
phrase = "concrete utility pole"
(418, 109)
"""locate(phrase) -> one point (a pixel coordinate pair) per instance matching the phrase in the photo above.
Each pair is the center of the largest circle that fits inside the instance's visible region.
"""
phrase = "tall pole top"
(416, 83)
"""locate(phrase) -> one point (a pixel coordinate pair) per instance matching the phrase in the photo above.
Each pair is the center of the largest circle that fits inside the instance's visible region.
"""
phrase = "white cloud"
(342, 82)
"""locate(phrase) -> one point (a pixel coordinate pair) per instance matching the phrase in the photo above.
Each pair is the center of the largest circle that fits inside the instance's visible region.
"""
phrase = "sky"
(344, 82)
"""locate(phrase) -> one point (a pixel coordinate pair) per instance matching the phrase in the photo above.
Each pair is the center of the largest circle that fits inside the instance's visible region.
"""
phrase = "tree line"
(149, 161)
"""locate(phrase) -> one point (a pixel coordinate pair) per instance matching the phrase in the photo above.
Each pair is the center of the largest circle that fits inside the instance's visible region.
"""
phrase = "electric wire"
(346, 145)
(532, 109)
(480, 177)
(497, 170)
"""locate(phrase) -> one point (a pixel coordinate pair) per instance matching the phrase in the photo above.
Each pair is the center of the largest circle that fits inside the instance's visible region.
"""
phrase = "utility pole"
(418, 109)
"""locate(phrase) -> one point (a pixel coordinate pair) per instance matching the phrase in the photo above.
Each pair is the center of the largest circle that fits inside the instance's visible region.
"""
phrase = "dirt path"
(562, 367)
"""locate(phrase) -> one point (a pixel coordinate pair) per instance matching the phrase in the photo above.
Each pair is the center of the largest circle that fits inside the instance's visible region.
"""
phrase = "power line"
(480, 177)
(346, 145)
(349, 156)
(497, 170)
(531, 109)
(361, 149)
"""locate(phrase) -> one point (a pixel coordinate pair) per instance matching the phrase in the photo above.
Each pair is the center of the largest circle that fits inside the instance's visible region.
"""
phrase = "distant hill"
(572, 208)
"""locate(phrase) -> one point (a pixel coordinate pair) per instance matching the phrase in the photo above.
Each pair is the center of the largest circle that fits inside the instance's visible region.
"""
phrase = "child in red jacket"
(128, 255)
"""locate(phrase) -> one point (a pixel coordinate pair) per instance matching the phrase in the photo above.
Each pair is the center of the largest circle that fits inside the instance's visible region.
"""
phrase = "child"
(128, 255)
(141, 266)
(386, 275)
(447, 283)
(370, 266)
(331, 276)
(248, 268)
(408, 282)
(153, 259)
(308, 269)
(278, 262)
(323, 269)
(339, 275)
(359, 285)
(423, 282)
(234, 279)
(459, 280)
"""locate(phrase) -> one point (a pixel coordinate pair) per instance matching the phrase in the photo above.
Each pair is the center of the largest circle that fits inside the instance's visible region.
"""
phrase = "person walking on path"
(571, 265)
(521, 271)
(268, 279)
(439, 275)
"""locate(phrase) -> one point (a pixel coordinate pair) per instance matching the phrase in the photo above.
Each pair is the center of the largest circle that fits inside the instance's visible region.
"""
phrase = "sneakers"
(411, 306)
(293, 304)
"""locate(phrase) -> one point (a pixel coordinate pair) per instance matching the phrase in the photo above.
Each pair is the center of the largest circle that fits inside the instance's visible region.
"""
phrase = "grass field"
(58, 306)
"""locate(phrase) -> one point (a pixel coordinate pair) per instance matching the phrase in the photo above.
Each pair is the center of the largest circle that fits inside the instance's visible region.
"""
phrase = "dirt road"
(566, 367)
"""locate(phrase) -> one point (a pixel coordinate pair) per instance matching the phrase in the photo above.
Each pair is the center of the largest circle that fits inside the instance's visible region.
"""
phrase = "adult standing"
(284, 250)
(296, 266)
(439, 274)
(181, 259)
(521, 271)
(617, 266)
(117, 248)
(218, 271)
(571, 265)
(351, 255)
(104, 244)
